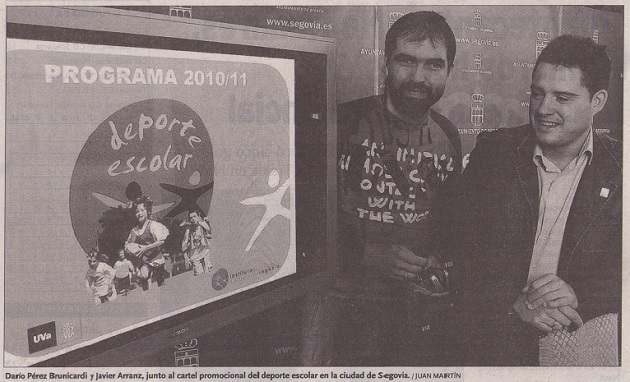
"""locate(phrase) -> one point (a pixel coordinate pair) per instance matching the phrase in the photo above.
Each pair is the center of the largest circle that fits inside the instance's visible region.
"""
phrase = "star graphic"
(115, 203)
(188, 197)
(273, 207)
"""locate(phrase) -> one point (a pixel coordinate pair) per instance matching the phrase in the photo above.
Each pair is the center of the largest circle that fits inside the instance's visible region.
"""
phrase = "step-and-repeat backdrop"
(497, 47)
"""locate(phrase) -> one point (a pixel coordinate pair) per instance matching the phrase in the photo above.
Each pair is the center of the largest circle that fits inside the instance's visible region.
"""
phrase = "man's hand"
(546, 319)
(550, 291)
(398, 262)
(394, 260)
(415, 288)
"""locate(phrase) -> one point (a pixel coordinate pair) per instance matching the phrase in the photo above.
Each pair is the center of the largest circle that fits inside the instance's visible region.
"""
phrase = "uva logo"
(158, 147)
(42, 337)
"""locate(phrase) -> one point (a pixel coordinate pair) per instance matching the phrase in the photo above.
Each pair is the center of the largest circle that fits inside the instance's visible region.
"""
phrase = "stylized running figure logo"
(272, 202)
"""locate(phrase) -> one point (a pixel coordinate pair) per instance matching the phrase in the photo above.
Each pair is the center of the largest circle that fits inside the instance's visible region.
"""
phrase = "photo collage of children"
(135, 252)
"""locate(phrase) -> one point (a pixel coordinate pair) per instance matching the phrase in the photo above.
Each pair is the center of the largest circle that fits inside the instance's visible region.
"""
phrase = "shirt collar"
(587, 149)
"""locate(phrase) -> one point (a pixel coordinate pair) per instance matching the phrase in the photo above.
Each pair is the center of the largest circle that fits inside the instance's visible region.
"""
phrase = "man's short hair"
(420, 26)
(581, 53)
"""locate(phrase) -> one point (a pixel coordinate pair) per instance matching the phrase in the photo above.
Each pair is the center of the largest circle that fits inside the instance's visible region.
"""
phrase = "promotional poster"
(92, 129)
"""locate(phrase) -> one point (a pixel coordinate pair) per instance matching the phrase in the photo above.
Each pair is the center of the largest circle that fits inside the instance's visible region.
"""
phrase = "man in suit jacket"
(536, 217)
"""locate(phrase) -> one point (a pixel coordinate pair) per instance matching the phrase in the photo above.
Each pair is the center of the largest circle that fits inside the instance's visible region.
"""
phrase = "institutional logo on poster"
(477, 23)
(157, 147)
(220, 279)
(68, 330)
(478, 20)
(187, 354)
(42, 337)
(542, 40)
(476, 110)
(477, 65)
(393, 16)
(180, 11)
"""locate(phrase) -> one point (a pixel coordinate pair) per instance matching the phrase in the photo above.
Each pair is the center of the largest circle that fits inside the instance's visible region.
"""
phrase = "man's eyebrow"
(404, 56)
(565, 93)
(556, 93)
(436, 61)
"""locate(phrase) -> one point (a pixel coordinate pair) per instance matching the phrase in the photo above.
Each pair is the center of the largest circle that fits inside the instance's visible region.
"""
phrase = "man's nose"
(546, 105)
(419, 74)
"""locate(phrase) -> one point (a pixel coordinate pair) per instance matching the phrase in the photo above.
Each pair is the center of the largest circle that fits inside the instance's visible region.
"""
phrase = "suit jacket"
(492, 215)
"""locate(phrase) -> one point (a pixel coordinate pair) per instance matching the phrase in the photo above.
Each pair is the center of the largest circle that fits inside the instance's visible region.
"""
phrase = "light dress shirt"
(556, 189)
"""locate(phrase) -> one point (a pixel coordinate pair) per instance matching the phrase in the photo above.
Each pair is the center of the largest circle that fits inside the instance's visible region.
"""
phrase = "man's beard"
(409, 106)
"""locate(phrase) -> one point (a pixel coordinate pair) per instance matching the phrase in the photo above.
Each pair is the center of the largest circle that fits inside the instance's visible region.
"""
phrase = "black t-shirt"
(389, 174)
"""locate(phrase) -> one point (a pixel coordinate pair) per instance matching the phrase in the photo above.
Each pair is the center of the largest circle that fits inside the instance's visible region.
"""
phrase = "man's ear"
(598, 101)
(450, 68)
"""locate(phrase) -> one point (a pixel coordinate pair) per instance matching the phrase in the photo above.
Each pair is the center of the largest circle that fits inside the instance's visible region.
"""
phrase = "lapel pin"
(604, 192)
